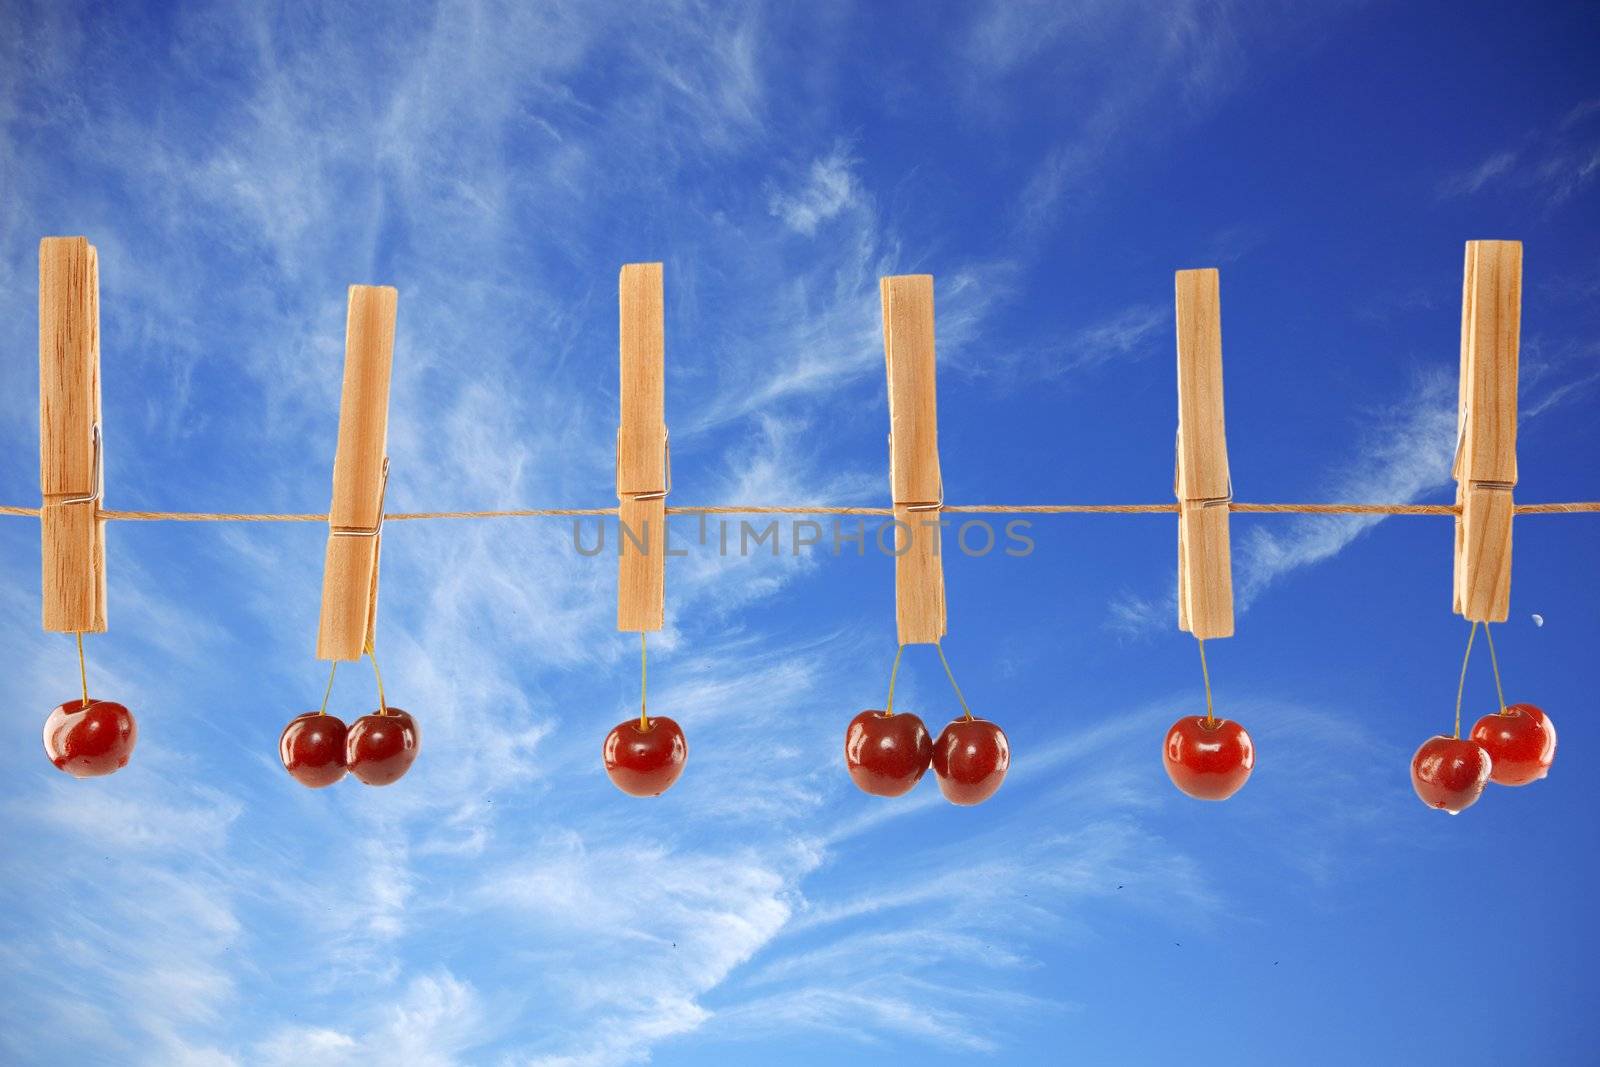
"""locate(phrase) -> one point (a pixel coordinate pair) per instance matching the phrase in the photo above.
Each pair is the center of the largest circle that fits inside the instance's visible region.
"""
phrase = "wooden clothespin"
(914, 477)
(1486, 444)
(360, 476)
(1202, 483)
(71, 443)
(644, 462)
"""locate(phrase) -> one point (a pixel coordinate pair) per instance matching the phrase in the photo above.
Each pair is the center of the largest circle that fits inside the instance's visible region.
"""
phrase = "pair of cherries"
(887, 753)
(1514, 746)
(317, 748)
(1208, 758)
(88, 738)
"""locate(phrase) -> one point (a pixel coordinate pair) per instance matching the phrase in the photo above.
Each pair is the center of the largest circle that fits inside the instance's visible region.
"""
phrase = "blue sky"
(1051, 165)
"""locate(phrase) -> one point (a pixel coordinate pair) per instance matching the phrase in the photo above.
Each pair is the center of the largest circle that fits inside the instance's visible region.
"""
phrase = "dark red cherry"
(1208, 760)
(1449, 773)
(312, 748)
(887, 754)
(645, 761)
(88, 741)
(1521, 742)
(381, 747)
(970, 760)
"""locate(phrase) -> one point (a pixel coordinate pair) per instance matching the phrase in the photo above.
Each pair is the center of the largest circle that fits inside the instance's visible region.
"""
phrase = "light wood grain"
(641, 444)
(350, 567)
(919, 604)
(909, 355)
(642, 471)
(1205, 572)
(641, 564)
(1486, 453)
(72, 538)
(1483, 553)
(1201, 482)
(915, 481)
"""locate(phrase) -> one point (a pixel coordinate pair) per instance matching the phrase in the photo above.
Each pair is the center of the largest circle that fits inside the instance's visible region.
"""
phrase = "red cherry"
(970, 759)
(1208, 760)
(644, 762)
(381, 747)
(312, 749)
(1449, 773)
(1521, 742)
(88, 741)
(885, 753)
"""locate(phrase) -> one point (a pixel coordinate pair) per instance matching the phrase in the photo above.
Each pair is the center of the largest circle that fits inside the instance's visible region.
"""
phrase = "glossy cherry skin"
(970, 760)
(312, 749)
(645, 762)
(887, 754)
(1208, 761)
(1521, 742)
(381, 747)
(89, 742)
(1449, 773)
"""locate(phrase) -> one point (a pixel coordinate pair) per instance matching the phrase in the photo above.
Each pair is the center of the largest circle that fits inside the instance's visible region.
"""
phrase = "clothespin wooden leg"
(360, 475)
(915, 480)
(1203, 485)
(72, 446)
(644, 467)
(1486, 452)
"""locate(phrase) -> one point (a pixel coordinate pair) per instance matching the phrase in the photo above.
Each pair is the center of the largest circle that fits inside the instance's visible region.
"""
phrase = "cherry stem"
(383, 702)
(951, 675)
(1205, 676)
(1495, 665)
(888, 708)
(83, 669)
(1462, 686)
(326, 693)
(644, 672)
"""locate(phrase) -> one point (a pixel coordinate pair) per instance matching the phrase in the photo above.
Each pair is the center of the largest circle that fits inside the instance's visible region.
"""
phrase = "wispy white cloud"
(437, 1020)
(1124, 67)
(1126, 336)
(1134, 614)
(1554, 162)
(146, 942)
(872, 1016)
(1475, 178)
(830, 187)
(1405, 453)
(682, 920)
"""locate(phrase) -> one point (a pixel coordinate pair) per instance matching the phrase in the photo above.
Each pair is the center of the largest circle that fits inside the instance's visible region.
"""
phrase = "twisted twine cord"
(118, 515)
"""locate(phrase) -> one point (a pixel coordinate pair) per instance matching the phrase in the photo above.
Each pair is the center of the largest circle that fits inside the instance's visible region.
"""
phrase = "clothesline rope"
(118, 515)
